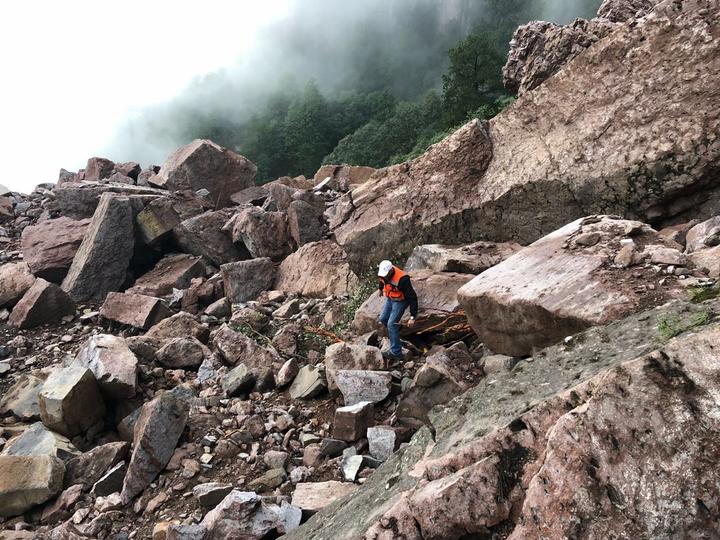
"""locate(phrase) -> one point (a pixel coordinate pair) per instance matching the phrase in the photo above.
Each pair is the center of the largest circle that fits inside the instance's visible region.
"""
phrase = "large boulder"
(98, 168)
(306, 222)
(344, 356)
(50, 246)
(101, 263)
(26, 481)
(343, 177)
(15, 280)
(541, 163)
(171, 272)
(437, 301)
(317, 269)
(264, 234)
(43, 303)
(21, 399)
(470, 259)
(135, 310)
(113, 364)
(38, 440)
(157, 431)
(566, 282)
(179, 325)
(204, 164)
(235, 347)
(203, 235)
(245, 280)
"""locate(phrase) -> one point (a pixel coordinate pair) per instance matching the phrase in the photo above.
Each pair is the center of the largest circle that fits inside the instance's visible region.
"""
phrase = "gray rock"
(245, 280)
(469, 259)
(498, 363)
(351, 422)
(185, 532)
(270, 480)
(350, 467)
(113, 364)
(203, 235)
(332, 447)
(37, 440)
(309, 383)
(182, 353)
(382, 441)
(363, 385)
(43, 303)
(136, 310)
(239, 380)
(21, 399)
(26, 481)
(210, 494)
(89, 467)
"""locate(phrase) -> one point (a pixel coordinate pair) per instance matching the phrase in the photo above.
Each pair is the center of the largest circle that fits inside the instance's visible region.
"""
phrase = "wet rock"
(26, 481)
(135, 310)
(101, 263)
(210, 494)
(182, 353)
(264, 234)
(470, 259)
(50, 246)
(179, 325)
(362, 385)
(314, 496)
(245, 280)
(37, 440)
(89, 467)
(317, 269)
(21, 399)
(344, 356)
(112, 363)
(171, 272)
(70, 401)
(43, 303)
(15, 280)
(351, 422)
(204, 164)
(203, 235)
(309, 383)
(157, 431)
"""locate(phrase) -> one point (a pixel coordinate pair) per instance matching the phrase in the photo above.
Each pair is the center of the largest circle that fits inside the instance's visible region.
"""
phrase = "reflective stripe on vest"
(390, 288)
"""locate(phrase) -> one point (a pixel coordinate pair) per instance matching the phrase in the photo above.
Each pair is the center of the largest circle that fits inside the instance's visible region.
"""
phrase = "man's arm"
(407, 289)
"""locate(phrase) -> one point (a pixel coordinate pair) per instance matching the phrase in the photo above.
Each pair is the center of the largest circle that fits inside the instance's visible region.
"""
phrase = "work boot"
(388, 355)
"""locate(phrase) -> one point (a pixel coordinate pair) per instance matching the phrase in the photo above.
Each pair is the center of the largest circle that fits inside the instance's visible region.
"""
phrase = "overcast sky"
(73, 69)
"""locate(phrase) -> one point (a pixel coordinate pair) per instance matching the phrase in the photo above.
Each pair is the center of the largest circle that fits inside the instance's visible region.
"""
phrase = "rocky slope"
(186, 355)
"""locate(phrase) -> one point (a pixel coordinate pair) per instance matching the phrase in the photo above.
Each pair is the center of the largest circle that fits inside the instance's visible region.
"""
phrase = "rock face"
(317, 269)
(204, 164)
(314, 496)
(471, 259)
(50, 246)
(203, 235)
(15, 280)
(157, 430)
(43, 303)
(624, 10)
(135, 310)
(538, 165)
(235, 347)
(113, 364)
(171, 272)
(606, 432)
(70, 401)
(245, 280)
(101, 263)
(26, 481)
(264, 234)
(560, 285)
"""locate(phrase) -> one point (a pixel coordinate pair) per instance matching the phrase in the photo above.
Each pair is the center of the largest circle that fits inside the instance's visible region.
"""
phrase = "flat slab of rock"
(363, 385)
(308, 383)
(469, 259)
(26, 481)
(79, 200)
(101, 263)
(204, 164)
(306, 222)
(203, 235)
(37, 440)
(317, 269)
(157, 431)
(15, 280)
(559, 286)
(182, 353)
(135, 310)
(113, 364)
(245, 280)
(50, 246)
(314, 496)
(70, 401)
(43, 303)
(239, 380)
(21, 399)
(340, 356)
(171, 272)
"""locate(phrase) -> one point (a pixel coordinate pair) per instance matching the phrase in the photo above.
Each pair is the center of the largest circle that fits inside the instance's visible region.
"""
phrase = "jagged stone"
(363, 385)
(308, 383)
(179, 325)
(37, 440)
(382, 441)
(470, 259)
(15, 280)
(98, 168)
(235, 347)
(182, 353)
(43, 303)
(157, 220)
(314, 496)
(352, 421)
(555, 287)
(255, 195)
(171, 272)
(339, 356)
(79, 200)
(317, 269)
(707, 260)
(136, 310)
(625, 10)
(50, 246)
(204, 164)
(239, 380)
(111, 481)
(210, 494)
(21, 399)
(70, 401)
(58, 509)
(157, 431)
(245, 280)
(287, 373)
(269, 480)
(112, 363)
(306, 222)
(89, 467)
(343, 177)
(101, 263)
(203, 235)
(703, 235)
(26, 481)
(264, 234)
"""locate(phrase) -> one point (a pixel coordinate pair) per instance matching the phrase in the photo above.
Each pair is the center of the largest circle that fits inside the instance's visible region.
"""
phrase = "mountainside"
(188, 354)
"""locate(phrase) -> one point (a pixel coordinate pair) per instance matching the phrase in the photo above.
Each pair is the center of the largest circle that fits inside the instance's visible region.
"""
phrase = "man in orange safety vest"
(395, 286)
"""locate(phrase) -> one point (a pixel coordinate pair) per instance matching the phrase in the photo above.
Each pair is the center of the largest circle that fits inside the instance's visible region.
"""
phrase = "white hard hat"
(385, 268)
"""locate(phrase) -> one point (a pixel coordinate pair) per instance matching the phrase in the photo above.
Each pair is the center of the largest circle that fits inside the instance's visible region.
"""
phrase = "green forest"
(377, 87)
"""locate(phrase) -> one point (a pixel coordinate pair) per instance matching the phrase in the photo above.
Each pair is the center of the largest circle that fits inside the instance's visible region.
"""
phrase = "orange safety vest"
(390, 288)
